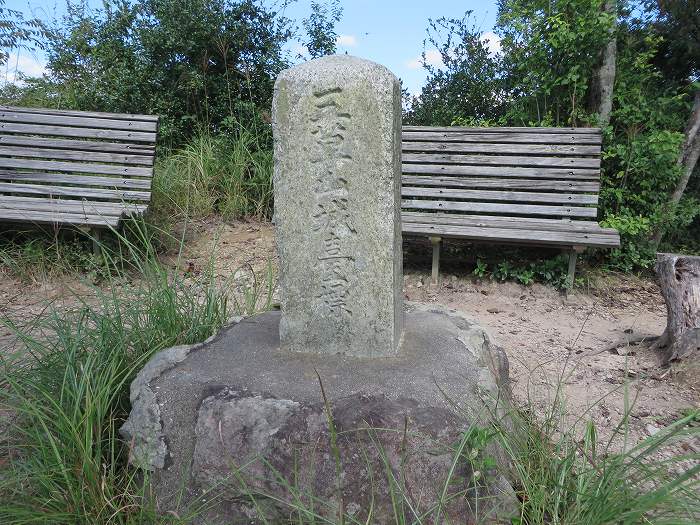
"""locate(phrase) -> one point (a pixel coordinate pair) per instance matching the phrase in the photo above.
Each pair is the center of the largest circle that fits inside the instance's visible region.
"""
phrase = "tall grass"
(68, 390)
(229, 174)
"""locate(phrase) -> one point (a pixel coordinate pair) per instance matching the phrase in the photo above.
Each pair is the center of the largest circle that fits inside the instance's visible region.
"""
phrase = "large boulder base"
(237, 428)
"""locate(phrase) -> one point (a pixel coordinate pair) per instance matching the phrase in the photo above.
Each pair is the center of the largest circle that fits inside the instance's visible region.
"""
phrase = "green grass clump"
(67, 389)
(229, 174)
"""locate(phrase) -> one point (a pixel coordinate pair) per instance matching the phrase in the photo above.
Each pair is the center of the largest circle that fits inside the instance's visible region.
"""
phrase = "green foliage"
(481, 268)
(552, 271)
(320, 28)
(550, 50)
(468, 84)
(229, 174)
(189, 63)
(16, 32)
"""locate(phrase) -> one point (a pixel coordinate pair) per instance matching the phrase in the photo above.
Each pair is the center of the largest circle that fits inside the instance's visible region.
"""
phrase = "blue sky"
(390, 32)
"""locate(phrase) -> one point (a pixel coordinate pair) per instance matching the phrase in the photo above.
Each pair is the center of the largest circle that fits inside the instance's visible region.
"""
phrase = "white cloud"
(346, 40)
(492, 41)
(30, 65)
(432, 57)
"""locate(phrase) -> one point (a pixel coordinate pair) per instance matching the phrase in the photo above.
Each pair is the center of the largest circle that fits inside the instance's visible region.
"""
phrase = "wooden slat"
(501, 160)
(117, 209)
(512, 236)
(64, 131)
(57, 178)
(495, 137)
(517, 223)
(70, 113)
(492, 182)
(80, 145)
(93, 193)
(516, 149)
(85, 156)
(79, 167)
(510, 196)
(501, 209)
(460, 129)
(42, 217)
(82, 121)
(503, 172)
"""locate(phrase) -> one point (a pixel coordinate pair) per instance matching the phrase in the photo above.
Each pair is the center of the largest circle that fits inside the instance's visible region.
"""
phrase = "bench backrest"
(76, 155)
(519, 172)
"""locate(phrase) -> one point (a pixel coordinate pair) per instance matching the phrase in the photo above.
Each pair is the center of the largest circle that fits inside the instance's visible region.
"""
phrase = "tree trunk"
(679, 279)
(687, 159)
(604, 79)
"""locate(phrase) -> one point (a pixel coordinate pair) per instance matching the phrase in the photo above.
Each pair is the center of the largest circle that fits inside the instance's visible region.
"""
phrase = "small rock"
(494, 310)
(652, 429)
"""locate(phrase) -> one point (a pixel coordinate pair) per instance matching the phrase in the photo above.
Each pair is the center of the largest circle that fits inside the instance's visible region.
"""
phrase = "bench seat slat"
(74, 113)
(510, 196)
(461, 129)
(501, 138)
(516, 236)
(502, 172)
(95, 193)
(502, 160)
(100, 169)
(503, 209)
(43, 217)
(491, 182)
(517, 223)
(110, 182)
(70, 206)
(78, 145)
(85, 156)
(82, 122)
(65, 131)
(517, 149)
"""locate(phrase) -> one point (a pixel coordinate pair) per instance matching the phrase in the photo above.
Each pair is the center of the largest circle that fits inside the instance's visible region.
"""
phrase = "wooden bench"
(521, 186)
(73, 167)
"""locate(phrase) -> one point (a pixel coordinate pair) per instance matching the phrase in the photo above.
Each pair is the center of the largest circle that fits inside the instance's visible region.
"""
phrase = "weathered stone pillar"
(337, 178)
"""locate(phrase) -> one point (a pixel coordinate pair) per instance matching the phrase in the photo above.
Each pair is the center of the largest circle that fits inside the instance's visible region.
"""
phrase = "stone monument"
(325, 403)
(337, 179)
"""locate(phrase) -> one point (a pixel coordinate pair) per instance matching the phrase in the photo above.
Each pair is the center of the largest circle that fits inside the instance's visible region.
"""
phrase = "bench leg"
(571, 275)
(96, 234)
(436, 259)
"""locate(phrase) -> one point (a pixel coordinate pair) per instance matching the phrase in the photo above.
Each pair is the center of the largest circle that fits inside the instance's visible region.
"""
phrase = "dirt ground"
(554, 343)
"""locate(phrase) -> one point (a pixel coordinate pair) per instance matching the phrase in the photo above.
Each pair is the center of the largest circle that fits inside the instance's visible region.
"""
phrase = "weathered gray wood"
(501, 160)
(436, 241)
(69, 113)
(495, 137)
(55, 178)
(63, 131)
(83, 122)
(502, 171)
(460, 129)
(48, 204)
(511, 196)
(40, 217)
(84, 156)
(679, 280)
(94, 193)
(510, 236)
(492, 182)
(517, 223)
(79, 145)
(504, 209)
(500, 148)
(101, 169)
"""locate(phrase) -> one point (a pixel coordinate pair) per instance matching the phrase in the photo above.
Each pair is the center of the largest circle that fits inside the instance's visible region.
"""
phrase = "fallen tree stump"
(679, 279)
